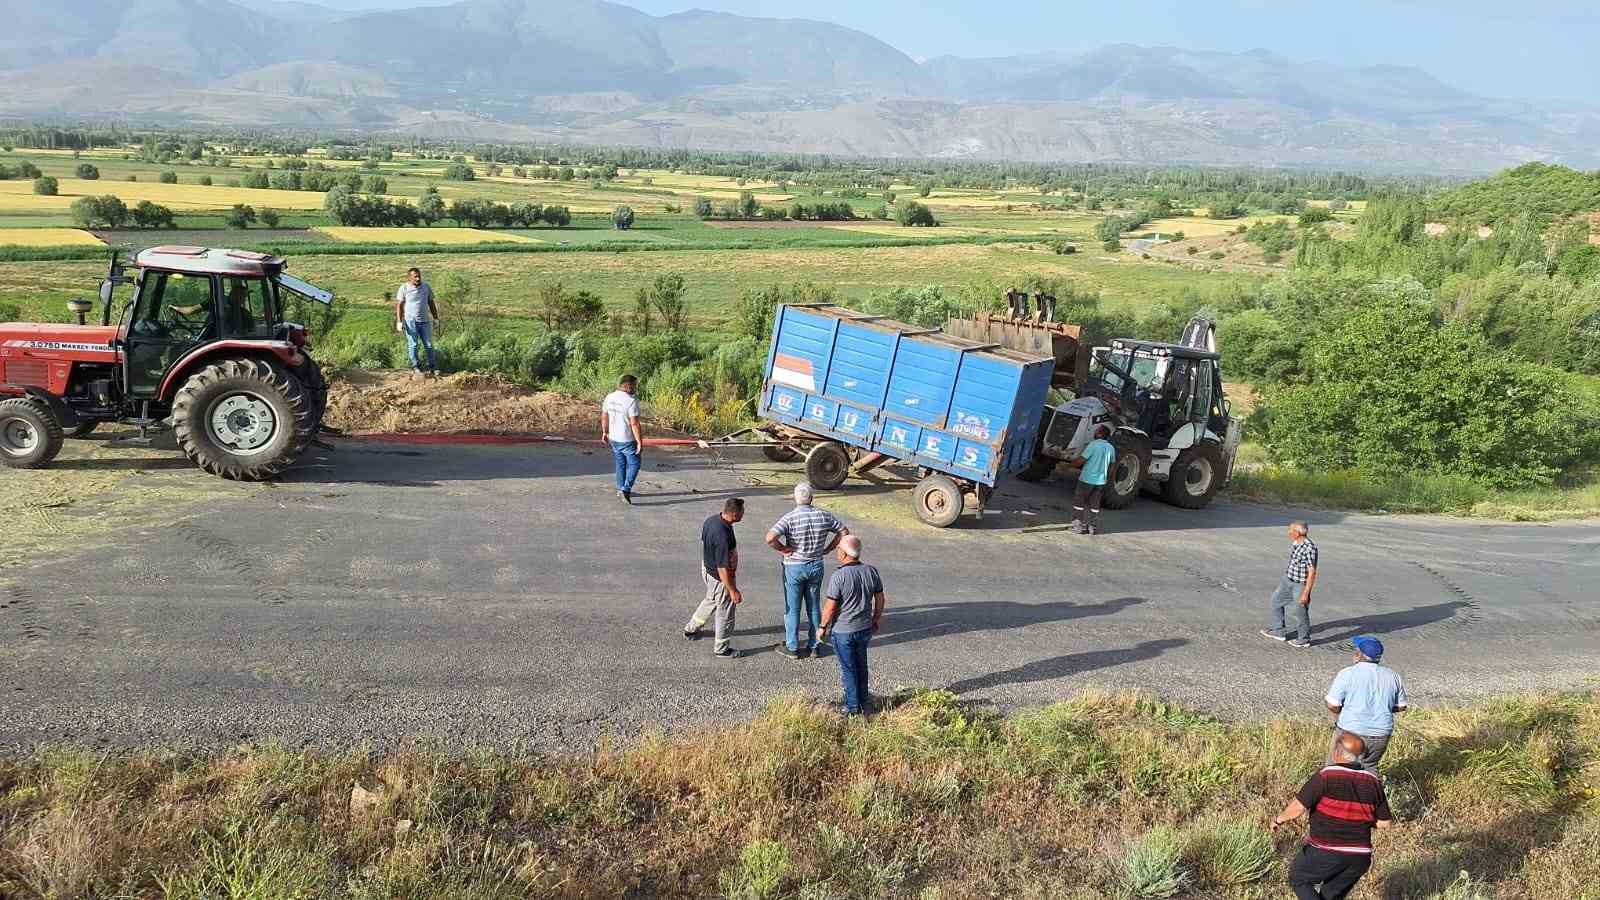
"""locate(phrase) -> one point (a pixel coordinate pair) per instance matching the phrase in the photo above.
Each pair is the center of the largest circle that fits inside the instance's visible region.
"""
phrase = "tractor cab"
(1160, 389)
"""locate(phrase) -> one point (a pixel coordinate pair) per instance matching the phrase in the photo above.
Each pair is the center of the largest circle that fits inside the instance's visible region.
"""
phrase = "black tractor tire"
(938, 501)
(1128, 471)
(243, 419)
(827, 465)
(82, 429)
(780, 453)
(30, 434)
(1037, 470)
(1195, 478)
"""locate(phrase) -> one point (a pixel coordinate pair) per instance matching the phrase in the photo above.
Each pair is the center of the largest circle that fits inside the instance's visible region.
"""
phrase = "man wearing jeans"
(853, 611)
(413, 304)
(1294, 591)
(805, 535)
(719, 559)
(619, 426)
(1363, 700)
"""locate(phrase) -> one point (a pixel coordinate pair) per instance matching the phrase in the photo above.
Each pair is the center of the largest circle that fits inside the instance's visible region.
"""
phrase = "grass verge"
(1576, 498)
(1100, 795)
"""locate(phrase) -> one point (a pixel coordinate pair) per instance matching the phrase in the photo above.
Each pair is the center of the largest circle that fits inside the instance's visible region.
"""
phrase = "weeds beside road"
(1100, 795)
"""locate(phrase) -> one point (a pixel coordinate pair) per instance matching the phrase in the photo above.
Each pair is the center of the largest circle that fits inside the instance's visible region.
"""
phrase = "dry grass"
(18, 196)
(47, 237)
(1108, 793)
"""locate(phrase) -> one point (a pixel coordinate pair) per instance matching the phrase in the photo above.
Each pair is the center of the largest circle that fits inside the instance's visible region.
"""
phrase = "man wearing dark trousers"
(1096, 462)
(1345, 802)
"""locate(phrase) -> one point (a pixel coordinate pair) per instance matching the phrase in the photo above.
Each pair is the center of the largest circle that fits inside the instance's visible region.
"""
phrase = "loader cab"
(179, 309)
(1171, 392)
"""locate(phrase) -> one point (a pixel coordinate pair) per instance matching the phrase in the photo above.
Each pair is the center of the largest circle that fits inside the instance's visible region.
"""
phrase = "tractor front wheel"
(30, 436)
(1038, 469)
(243, 419)
(1128, 470)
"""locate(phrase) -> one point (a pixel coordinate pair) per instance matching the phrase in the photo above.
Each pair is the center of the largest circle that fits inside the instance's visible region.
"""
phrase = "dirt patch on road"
(398, 402)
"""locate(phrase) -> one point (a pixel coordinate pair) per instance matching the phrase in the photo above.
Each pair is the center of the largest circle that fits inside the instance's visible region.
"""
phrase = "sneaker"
(417, 374)
(1299, 643)
(791, 653)
(694, 635)
(1076, 528)
(627, 497)
(1091, 529)
(726, 653)
(1277, 637)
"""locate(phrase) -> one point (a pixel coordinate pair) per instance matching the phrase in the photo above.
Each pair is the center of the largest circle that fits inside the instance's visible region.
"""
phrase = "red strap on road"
(459, 439)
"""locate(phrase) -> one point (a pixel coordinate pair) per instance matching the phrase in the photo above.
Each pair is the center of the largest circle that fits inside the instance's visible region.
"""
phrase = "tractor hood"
(47, 340)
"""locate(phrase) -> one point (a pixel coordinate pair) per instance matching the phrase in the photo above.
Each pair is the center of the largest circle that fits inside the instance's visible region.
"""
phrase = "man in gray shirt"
(413, 305)
(852, 611)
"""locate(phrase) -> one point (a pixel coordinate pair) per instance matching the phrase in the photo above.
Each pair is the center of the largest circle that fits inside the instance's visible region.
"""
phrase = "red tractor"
(205, 352)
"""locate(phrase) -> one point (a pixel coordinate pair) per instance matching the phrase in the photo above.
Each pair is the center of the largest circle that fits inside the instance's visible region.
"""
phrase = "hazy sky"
(1535, 48)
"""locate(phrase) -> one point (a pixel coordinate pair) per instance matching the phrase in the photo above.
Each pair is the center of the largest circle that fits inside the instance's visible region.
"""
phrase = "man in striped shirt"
(1346, 803)
(805, 535)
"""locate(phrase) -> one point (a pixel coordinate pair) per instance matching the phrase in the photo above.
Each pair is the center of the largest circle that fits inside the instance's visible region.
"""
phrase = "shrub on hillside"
(1392, 391)
(87, 172)
(169, 177)
(459, 171)
(46, 186)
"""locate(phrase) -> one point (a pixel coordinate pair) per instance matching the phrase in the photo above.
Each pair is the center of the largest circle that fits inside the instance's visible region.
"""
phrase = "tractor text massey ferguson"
(202, 349)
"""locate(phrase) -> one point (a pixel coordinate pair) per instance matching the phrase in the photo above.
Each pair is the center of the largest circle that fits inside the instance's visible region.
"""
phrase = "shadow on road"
(1385, 623)
(905, 624)
(1068, 665)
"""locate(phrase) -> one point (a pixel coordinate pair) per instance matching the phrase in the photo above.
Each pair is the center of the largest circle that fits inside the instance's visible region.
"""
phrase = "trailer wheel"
(30, 436)
(939, 500)
(780, 453)
(1196, 477)
(1128, 470)
(827, 465)
(1037, 469)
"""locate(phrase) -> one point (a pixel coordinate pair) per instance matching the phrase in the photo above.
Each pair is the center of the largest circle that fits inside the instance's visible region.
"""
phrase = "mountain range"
(586, 71)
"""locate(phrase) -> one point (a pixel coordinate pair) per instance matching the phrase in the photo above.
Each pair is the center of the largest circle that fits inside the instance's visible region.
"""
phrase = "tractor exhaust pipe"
(80, 308)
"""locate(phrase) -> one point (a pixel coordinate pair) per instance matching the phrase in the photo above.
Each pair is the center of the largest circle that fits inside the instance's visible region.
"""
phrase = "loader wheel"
(30, 436)
(1128, 470)
(1038, 469)
(938, 501)
(243, 419)
(780, 454)
(1195, 478)
(827, 465)
(82, 429)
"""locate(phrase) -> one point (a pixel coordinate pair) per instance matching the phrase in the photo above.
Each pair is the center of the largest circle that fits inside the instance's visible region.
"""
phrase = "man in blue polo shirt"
(1363, 700)
(1096, 462)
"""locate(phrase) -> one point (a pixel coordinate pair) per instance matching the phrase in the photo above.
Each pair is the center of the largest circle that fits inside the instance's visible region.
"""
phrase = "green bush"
(169, 177)
(1393, 392)
(1231, 852)
(1152, 866)
(762, 867)
(46, 186)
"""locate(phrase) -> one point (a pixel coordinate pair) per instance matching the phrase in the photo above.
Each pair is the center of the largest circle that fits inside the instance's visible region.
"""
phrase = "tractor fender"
(58, 407)
(280, 352)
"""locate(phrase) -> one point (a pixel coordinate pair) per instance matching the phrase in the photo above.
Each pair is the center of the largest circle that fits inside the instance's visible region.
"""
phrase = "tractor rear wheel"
(30, 436)
(827, 465)
(82, 429)
(316, 388)
(939, 500)
(1128, 470)
(1195, 478)
(243, 419)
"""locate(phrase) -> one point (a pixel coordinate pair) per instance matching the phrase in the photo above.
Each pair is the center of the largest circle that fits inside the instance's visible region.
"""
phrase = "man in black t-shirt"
(719, 567)
(1346, 802)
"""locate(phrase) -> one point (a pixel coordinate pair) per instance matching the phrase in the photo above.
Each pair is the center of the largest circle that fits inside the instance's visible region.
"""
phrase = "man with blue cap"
(1363, 699)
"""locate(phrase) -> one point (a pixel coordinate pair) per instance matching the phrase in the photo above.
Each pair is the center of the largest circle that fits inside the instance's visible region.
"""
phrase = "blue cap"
(1370, 647)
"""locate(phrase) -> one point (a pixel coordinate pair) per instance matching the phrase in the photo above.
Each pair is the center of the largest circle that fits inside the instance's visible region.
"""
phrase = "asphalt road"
(476, 596)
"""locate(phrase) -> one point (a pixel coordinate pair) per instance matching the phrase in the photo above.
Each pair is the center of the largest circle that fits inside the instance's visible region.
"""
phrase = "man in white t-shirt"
(619, 426)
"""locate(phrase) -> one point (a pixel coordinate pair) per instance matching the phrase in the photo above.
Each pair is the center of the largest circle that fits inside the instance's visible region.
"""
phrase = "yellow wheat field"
(47, 237)
(18, 196)
(454, 236)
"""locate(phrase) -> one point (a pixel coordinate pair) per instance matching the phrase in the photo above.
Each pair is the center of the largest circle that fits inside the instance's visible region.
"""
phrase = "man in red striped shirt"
(1346, 803)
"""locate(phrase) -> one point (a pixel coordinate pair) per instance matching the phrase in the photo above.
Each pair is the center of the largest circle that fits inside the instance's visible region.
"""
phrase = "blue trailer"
(853, 391)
